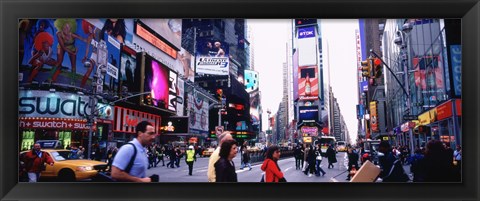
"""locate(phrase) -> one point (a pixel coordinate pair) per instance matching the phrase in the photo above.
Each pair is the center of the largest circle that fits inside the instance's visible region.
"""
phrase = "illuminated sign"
(126, 119)
(55, 123)
(149, 36)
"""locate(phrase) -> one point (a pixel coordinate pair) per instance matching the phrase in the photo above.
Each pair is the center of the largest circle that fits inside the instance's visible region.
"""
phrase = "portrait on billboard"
(212, 57)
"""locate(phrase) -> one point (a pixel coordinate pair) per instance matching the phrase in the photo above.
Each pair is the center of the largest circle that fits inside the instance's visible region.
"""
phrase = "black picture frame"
(11, 11)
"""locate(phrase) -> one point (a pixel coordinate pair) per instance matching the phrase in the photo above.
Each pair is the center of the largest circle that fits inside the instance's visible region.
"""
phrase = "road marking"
(288, 169)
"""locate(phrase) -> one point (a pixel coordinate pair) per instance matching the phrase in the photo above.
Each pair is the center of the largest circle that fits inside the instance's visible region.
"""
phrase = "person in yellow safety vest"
(190, 159)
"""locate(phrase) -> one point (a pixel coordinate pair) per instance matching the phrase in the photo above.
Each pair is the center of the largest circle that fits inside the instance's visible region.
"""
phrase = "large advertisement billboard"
(169, 29)
(251, 81)
(212, 58)
(308, 114)
(308, 86)
(198, 113)
(429, 77)
(255, 109)
(307, 46)
(157, 81)
(185, 63)
(66, 51)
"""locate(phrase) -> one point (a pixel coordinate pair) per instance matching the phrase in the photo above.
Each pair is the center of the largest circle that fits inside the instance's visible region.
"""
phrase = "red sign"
(53, 123)
(444, 111)
(155, 41)
(126, 120)
(458, 105)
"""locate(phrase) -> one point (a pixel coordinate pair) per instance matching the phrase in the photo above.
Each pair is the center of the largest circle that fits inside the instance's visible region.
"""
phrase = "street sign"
(217, 106)
(410, 117)
(218, 130)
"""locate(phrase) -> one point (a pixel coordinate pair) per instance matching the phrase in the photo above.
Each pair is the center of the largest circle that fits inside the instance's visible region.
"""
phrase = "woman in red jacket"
(270, 165)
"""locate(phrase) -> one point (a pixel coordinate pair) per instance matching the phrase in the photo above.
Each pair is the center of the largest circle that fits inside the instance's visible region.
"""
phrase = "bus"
(341, 146)
(325, 142)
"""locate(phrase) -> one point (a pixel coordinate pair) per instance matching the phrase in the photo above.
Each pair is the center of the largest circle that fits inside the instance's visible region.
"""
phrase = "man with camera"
(131, 162)
(35, 162)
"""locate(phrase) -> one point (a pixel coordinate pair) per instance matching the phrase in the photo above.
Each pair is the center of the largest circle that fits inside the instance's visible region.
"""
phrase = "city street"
(287, 166)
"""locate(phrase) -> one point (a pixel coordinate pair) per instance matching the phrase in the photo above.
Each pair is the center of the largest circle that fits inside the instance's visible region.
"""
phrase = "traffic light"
(149, 99)
(219, 94)
(377, 67)
(366, 68)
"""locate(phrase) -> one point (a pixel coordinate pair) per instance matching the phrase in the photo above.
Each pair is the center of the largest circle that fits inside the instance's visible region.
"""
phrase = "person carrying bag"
(273, 173)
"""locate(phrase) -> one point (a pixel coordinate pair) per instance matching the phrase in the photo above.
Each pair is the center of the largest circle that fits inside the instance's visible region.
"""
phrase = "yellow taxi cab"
(207, 152)
(67, 169)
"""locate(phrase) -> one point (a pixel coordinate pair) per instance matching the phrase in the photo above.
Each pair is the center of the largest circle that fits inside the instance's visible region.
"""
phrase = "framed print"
(79, 73)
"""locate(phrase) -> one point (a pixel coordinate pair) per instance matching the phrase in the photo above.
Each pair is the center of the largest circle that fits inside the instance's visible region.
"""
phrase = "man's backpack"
(106, 176)
(397, 173)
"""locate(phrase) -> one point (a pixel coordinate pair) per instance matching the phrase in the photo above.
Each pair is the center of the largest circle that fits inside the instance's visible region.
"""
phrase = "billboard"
(185, 63)
(174, 125)
(65, 51)
(307, 46)
(308, 114)
(157, 81)
(429, 77)
(173, 94)
(128, 67)
(212, 57)
(181, 95)
(456, 60)
(198, 113)
(251, 81)
(308, 86)
(168, 29)
(373, 116)
(255, 108)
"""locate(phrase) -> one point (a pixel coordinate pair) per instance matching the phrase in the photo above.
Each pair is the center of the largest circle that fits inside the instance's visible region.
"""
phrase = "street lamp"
(403, 39)
(405, 46)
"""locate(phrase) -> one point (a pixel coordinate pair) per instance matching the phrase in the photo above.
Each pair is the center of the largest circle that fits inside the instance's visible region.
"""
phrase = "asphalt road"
(287, 166)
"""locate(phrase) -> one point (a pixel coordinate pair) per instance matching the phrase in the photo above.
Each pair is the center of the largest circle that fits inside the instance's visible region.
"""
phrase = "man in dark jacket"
(387, 162)
(331, 155)
(352, 160)
(298, 157)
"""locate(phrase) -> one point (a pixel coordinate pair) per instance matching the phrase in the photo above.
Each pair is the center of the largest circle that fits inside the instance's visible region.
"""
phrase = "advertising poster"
(173, 91)
(456, 60)
(307, 46)
(212, 58)
(308, 85)
(373, 116)
(255, 108)
(308, 114)
(429, 77)
(251, 81)
(72, 60)
(156, 81)
(128, 65)
(174, 125)
(169, 29)
(181, 95)
(198, 114)
(185, 63)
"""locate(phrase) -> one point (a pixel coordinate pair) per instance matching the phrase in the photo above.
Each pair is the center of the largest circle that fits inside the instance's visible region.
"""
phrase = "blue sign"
(456, 58)
(307, 32)
(364, 86)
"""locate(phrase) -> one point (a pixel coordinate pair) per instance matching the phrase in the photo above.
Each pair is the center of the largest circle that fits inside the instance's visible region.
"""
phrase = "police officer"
(190, 159)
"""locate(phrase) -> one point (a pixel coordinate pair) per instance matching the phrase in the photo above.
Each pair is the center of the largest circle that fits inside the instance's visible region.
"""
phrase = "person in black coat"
(224, 167)
(438, 163)
(311, 159)
(332, 156)
(352, 160)
(298, 157)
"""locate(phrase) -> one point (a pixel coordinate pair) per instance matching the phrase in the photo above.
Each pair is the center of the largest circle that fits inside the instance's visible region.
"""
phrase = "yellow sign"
(307, 139)
(373, 116)
(424, 118)
(385, 138)
(433, 115)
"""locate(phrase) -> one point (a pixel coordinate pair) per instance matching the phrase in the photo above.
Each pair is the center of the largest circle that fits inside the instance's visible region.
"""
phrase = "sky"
(269, 40)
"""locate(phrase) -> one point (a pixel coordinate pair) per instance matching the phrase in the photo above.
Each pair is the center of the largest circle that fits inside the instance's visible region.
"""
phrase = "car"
(207, 152)
(66, 170)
